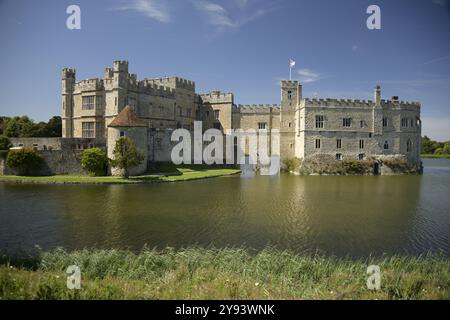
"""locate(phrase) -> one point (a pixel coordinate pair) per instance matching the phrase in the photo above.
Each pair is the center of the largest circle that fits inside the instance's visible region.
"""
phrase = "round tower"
(127, 124)
(68, 84)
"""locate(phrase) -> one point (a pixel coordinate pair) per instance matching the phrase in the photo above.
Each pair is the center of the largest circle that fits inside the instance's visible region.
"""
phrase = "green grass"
(199, 273)
(435, 156)
(182, 175)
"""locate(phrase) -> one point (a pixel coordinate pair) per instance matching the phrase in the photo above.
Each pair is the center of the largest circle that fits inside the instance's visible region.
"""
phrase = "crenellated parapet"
(358, 103)
(68, 73)
(174, 82)
(217, 96)
(89, 85)
(258, 108)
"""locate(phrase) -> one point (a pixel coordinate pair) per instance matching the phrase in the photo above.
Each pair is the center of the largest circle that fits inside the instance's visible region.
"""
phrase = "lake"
(333, 215)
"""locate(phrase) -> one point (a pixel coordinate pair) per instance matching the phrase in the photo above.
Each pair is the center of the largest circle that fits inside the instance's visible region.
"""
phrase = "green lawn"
(181, 175)
(435, 156)
(199, 273)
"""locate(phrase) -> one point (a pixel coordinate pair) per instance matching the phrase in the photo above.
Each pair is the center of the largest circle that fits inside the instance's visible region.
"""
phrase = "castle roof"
(127, 118)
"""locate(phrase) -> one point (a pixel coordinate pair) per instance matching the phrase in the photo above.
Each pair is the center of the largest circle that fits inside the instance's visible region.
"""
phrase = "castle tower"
(377, 113)
(291, 96)
(68, 83)
(127, 124)
(117, 97)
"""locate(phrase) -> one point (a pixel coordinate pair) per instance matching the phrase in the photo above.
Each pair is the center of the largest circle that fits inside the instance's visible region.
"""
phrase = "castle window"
(122, 133)
(385, 122)
(216, 114)
(370, 135)
(88, 103)
(98, 102)
(290, 125)
(386, 145)
(115, 101)
(347, 122)
(338, 143)
(217, 125)
(289, 95)
(361, 144)
(88, 129)
(404, 122)
(361, 156)
(180, 111)
(411, 122)
(408, 146)
(362, 123)
(262, 125)
(317, 143)
(188, 113)
(338, 156)
(319, 121)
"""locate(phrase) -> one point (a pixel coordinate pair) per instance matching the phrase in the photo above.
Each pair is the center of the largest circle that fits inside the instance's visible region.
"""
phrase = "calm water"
(354, 216)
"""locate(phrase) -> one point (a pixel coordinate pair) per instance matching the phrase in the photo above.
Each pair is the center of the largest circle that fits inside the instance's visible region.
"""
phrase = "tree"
(26, 161)
(94, 161)
(126, 155)
(5, 144)
(54, 127)
(446, 149)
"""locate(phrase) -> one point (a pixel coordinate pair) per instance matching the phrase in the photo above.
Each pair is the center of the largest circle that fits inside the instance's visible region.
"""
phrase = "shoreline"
(228, 273)
(147, 179)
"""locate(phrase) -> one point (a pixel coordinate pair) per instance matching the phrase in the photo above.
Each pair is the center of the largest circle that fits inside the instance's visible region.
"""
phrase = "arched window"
(408, 145)
(179, 125)
(386, 145)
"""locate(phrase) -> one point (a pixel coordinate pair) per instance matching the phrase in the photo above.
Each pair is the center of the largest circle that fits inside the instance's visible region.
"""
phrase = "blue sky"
(239, 46)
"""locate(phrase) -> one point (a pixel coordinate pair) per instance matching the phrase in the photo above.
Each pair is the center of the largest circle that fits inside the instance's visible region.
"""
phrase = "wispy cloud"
(219, 17)
(355, 47)
(437, 60)
(308, 76)
(153, 9)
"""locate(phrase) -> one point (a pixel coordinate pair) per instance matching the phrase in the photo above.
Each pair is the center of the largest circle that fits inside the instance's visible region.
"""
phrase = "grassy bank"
(221, 274)
(435, 156)
(182, 175)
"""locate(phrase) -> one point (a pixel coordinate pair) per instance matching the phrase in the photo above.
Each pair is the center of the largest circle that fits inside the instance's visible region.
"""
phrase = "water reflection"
(353, 216)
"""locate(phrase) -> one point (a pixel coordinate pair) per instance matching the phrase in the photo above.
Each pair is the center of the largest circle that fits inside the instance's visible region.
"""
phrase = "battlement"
(216, 96)
(174, 82)
(89, 85)
(257, 108)
(150, 87)
(109, 73)
(68, 73)
(357, 103)
(120, 66)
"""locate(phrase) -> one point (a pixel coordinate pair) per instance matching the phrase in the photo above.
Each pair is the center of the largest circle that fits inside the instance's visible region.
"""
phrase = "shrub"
(292, 164)
(26, 161)
(94, 161)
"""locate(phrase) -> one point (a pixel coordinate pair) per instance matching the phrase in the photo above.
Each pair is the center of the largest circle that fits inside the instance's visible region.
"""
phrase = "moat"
(333, 215)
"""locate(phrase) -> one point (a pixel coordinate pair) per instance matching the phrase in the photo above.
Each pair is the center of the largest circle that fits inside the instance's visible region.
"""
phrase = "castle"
(100, 111)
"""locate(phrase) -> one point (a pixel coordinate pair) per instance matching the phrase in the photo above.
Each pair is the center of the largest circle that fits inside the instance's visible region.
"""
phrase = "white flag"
(291, 63)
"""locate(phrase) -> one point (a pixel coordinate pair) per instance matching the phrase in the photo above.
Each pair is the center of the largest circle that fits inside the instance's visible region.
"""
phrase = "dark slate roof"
(127, 118)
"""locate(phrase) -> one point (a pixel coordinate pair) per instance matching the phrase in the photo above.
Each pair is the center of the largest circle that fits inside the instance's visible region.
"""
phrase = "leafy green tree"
(439, 151)
(94, 161)
(26, 161)
(5, 144)
(126, 155)
(54, 127)
(446, 149)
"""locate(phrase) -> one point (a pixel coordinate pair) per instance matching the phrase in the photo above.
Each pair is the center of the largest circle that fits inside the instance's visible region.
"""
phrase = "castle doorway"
(376, 169)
